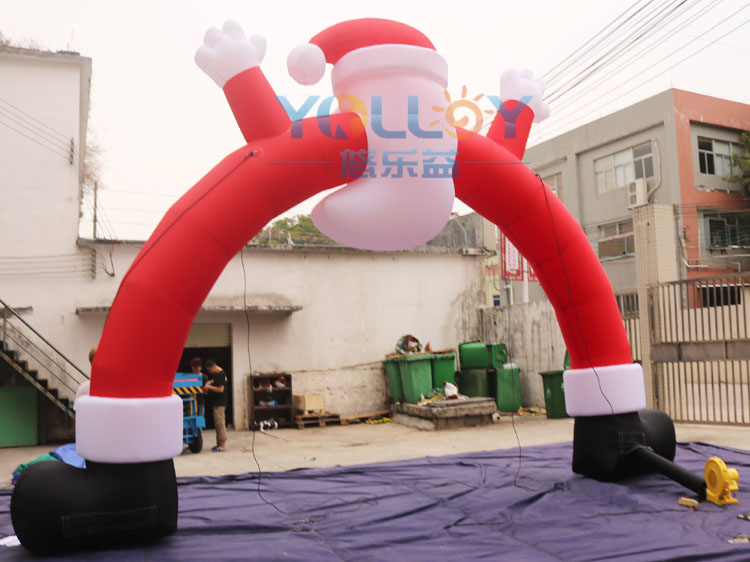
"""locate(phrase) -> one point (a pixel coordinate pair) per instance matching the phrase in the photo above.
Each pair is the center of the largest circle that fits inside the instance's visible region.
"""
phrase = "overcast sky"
(163, 124)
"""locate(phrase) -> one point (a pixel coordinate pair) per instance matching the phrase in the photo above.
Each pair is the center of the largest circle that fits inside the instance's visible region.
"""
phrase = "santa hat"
(366, 46)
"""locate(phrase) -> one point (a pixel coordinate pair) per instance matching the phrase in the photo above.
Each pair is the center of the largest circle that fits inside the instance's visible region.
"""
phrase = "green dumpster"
(554, 394)
(416, 376)
(474, 383)
(478, 355)
(443, 369)
(393, 374)
(508, 389)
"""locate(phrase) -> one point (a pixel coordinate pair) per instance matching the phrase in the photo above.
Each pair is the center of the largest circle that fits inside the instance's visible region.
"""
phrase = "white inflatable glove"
(515, 84)
(226, 52)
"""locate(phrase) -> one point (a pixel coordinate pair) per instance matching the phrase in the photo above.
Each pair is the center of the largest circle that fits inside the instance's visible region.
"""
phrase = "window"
(728, 229)
(720, 295)
(616, 239)
(554, 182)
(618, 169)
(628, 305)
(715, 157)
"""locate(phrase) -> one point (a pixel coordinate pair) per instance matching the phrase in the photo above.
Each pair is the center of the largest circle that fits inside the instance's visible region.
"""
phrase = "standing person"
(215, 385)
(196, 366)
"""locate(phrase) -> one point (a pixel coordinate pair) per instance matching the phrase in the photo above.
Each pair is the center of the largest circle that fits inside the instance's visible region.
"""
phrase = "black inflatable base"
(56, 507)
(602, 444)
(610, 448)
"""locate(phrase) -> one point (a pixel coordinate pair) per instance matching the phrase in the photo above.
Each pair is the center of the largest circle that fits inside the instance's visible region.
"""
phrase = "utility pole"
(96, 190)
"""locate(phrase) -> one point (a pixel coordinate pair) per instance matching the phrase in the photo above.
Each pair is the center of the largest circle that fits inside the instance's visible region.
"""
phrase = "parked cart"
(189, 387)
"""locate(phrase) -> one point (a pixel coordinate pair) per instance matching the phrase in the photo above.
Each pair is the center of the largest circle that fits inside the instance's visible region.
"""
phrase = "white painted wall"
(355, 306)
(41, 99)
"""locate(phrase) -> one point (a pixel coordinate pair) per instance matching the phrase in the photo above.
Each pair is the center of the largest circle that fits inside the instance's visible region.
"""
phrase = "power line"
(51, 149)
(660, 72)
(669, 33)
(152, 194)
(63, 144)
(37, 127)
(33, 129)
(18, 109)
(657, 19)
(654, 19)
(560, 67)
(102, 219)
(558, 125)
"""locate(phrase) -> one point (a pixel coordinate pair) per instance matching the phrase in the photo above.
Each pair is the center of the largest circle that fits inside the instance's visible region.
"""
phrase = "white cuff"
(83, 389)
(602, 391)
(128, 430)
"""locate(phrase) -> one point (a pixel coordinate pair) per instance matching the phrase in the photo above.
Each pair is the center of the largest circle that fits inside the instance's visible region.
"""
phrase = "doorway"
(211, 341)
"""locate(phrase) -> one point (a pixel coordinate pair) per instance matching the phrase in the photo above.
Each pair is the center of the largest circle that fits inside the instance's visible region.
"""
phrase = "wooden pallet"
(359, 418)
(320, 419)
(298, 412)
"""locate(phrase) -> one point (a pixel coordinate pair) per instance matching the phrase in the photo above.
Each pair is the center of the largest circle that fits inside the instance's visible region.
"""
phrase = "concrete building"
(671, 149)
(327, 315)
(646, 184)
(44, 104)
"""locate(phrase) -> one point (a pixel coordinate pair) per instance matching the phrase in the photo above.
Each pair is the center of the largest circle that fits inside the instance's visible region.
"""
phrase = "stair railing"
(50, 363)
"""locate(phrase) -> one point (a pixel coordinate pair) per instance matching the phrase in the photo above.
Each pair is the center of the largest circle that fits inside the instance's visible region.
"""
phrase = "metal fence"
(628, 304)
(700, 349)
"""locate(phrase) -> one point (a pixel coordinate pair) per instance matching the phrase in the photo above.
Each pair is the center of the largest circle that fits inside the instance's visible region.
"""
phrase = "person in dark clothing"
(216, 385)
(196, 367)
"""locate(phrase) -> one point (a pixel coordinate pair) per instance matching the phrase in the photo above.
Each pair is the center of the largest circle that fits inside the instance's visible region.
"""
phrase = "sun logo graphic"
(459, 114)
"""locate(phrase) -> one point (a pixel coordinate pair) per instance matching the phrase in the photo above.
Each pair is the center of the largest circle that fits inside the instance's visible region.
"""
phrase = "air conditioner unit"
(637, 193)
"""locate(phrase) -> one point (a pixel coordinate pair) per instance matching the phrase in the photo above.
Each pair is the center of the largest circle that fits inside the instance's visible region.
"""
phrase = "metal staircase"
(25, 353)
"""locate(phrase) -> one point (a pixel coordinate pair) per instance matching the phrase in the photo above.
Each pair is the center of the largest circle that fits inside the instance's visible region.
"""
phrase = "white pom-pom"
(306, 64)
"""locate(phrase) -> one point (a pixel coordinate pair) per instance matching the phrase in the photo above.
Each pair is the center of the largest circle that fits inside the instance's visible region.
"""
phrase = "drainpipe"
(525, 293)
(650, 192)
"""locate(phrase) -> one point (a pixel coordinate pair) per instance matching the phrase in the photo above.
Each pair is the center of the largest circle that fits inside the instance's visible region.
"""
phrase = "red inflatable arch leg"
(129, 425)
(603, 379)
(614, 436)
(163, 290)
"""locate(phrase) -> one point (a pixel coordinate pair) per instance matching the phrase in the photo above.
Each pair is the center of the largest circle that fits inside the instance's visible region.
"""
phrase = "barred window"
(616, 239)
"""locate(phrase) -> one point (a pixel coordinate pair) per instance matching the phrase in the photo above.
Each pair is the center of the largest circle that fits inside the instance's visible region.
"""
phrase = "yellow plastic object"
(720, 482)
(689, 502)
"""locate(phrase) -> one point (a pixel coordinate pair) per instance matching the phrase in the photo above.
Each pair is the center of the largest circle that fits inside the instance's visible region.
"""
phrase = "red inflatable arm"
(512, 133)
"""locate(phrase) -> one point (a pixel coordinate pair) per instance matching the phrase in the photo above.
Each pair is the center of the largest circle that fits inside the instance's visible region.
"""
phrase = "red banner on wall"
(511, 257)
(530, 272)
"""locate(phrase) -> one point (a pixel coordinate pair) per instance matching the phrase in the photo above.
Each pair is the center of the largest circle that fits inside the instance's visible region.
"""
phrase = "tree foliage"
(741, 163)
(296, 230)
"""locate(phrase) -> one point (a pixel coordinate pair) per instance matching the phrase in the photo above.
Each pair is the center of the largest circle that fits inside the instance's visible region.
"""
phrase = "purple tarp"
(476, 506)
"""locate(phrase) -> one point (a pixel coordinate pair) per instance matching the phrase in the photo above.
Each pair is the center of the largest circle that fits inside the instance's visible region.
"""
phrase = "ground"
(286, 449)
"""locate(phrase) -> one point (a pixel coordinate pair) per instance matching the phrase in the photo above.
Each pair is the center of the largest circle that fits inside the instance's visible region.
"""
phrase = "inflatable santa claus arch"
(129, 424)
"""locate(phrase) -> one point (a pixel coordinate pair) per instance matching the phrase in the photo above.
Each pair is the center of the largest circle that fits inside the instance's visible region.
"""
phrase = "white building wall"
(43, 108)
(355, 306)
